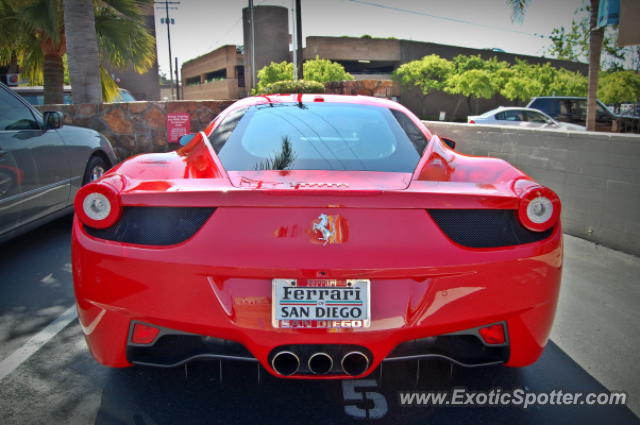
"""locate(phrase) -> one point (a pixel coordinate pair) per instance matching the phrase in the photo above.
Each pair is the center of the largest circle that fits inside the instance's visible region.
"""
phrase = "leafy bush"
(324, 70)
(275, 71)
(291, 86)
(619, 87)
(319, 70)
(429, 73)
(476, 83)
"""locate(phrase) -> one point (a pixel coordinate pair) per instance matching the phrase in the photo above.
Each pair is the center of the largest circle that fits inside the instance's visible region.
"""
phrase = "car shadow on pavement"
(198, 395)
(35, 282)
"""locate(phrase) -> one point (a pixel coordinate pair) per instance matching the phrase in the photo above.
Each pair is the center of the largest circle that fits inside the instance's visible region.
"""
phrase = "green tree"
(596, 36)
(291, 86)
(474, 83)
(320, 70)
(477, 78)
(324, 70)
(464, 63)
(500, 72)
(33, 32)
(596, 43)
(573, 43)
(522, 88)
(124, 41)
(528, 80)
(619, 87)
(274, 72)
(568, 83)
(429, 73)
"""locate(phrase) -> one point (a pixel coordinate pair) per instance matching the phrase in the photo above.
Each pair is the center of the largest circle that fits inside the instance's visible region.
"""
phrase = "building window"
(193, 81)
(365, 67)
(220, 74)
(240, 75)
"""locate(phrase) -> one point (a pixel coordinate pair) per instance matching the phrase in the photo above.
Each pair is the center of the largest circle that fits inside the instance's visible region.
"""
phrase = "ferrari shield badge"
(328, 229)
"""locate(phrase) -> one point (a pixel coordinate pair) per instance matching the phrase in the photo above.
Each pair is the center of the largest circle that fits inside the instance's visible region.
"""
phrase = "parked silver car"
(521, 117)
(43, 164)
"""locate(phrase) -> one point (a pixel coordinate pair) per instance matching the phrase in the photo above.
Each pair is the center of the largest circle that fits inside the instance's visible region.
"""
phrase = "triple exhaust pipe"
(288, 363)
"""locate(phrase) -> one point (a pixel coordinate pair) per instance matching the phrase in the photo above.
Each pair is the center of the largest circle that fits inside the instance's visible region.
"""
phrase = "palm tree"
(596, 36)
(123, 40)
(82, 47)
(33, 31)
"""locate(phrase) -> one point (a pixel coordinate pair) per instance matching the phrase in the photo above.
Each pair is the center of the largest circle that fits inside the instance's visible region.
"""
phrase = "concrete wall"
(349, 48)
(596, 175)
(138, 127)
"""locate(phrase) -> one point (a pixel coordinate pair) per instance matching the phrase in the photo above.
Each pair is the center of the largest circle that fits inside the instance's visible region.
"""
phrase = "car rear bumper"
(217, 289)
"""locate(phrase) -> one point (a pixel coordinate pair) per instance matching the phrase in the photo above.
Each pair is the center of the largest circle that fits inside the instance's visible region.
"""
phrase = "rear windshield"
(319, 136)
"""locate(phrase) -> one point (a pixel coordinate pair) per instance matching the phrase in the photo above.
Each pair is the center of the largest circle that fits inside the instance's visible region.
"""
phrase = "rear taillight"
(539, 206)
(472, 122)
(97, 205)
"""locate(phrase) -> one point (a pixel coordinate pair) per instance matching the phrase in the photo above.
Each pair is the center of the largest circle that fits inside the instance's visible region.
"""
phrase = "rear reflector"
(493, 334)
(144, 334)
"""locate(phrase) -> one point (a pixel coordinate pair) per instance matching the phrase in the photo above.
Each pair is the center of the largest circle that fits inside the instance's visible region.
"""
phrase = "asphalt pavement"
(52, 379)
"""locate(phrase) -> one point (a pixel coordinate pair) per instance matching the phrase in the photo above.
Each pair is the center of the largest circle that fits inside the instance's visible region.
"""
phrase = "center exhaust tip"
(285, 363)
(320, 363)
(355, 363)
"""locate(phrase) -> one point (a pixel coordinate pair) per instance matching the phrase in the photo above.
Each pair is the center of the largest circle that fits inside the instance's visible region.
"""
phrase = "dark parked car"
(573, 110)
(43, 164)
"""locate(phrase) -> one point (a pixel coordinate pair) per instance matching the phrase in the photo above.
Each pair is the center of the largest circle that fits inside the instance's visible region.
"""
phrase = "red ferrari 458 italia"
(318, 235)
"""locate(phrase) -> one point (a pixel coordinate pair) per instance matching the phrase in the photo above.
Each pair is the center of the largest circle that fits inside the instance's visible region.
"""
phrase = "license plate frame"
(360, 291)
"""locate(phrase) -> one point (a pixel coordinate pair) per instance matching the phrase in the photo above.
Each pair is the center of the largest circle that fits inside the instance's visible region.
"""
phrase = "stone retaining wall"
(138, 127)
(377, 88)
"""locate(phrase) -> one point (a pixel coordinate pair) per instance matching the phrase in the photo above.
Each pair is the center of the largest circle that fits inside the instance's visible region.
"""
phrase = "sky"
(203, 25)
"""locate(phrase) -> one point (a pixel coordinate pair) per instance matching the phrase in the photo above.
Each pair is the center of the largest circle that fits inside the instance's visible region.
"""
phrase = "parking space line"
(11, 363)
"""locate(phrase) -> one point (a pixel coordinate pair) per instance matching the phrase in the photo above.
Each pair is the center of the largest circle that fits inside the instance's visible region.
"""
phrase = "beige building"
(216, 75)
(377, 58)
(366, 59)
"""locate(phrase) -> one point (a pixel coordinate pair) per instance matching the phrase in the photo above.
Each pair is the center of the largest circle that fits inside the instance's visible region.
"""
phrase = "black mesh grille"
(466, 349)
(154, 225)
(172, 350)
(485, 228)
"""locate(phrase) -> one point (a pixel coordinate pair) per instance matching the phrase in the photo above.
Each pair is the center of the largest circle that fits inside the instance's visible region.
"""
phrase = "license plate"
(321, 303)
